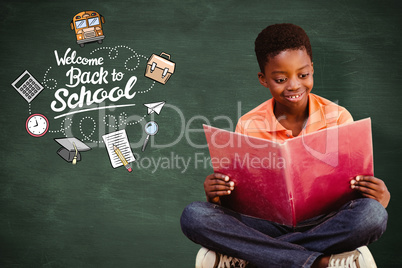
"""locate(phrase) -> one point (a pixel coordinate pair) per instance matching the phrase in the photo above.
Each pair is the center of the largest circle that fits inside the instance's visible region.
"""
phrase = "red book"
(287, 183)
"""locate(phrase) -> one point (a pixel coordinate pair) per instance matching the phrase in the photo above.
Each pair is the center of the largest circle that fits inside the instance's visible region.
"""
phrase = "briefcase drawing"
(159, 68)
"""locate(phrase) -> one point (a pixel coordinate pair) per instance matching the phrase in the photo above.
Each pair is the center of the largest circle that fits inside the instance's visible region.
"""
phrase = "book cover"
(289, 182)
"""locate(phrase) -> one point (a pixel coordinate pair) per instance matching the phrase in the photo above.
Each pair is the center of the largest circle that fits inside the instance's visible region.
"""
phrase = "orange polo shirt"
(262, 123)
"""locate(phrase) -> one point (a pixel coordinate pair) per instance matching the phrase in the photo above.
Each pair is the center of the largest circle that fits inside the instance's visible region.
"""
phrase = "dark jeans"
(268, 244)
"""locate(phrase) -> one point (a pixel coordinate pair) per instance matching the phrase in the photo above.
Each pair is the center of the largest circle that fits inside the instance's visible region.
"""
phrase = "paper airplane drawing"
(155, 107)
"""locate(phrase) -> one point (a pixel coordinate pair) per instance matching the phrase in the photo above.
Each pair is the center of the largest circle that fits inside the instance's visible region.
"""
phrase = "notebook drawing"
(119, 139)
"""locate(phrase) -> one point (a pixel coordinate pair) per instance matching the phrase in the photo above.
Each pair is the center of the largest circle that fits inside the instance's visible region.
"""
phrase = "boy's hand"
(217, 185)
(373, 188)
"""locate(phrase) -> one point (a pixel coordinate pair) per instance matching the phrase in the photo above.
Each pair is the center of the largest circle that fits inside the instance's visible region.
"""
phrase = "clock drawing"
(37, 125)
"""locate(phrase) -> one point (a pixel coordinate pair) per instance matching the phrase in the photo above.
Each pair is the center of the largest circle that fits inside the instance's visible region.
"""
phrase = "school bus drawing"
(88, 27)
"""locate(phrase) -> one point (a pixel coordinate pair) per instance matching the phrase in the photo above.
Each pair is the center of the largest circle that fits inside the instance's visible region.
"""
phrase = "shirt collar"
(316, 117)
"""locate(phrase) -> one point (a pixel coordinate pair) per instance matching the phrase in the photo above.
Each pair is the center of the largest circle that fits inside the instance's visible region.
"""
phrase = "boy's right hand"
(217, 185)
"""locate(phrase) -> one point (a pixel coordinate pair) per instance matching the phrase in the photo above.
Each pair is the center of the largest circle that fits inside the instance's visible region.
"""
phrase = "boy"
(230, 239)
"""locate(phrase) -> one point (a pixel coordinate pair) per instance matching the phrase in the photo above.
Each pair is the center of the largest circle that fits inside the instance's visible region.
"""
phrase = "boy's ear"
(262, 79)
(312, 65)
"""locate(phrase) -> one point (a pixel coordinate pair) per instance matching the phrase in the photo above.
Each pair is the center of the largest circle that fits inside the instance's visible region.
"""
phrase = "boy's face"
(289, 77)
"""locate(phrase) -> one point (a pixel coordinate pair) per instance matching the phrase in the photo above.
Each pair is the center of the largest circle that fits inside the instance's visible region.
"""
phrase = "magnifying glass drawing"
(151, 128)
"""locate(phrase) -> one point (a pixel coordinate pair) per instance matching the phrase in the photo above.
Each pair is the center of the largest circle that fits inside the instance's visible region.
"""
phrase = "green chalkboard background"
(54, 214)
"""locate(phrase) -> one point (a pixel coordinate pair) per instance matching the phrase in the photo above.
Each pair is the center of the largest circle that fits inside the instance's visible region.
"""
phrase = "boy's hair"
(279, 37)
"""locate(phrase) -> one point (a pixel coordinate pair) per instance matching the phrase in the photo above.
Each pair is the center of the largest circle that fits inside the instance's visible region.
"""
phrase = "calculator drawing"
(27, 86)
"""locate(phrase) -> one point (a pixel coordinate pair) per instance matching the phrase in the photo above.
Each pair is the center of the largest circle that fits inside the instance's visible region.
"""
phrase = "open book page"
(304, 177)
(257, 168)
(324, 162)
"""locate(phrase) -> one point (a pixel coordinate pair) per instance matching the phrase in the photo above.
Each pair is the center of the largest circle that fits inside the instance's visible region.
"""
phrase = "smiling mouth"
(295, 97)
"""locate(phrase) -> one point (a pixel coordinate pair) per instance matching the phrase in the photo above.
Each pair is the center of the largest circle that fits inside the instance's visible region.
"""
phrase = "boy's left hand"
(373, 188)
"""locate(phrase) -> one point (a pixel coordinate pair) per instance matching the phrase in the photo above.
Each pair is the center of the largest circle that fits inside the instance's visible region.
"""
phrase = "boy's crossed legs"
(268, 244)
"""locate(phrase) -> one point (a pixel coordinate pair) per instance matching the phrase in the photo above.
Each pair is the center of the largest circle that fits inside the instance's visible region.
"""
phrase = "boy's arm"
(344, 117)
(373, 188)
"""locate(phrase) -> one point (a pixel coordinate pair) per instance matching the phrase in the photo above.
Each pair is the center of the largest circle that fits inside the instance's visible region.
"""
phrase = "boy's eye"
(304, 75)
(280, 80)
